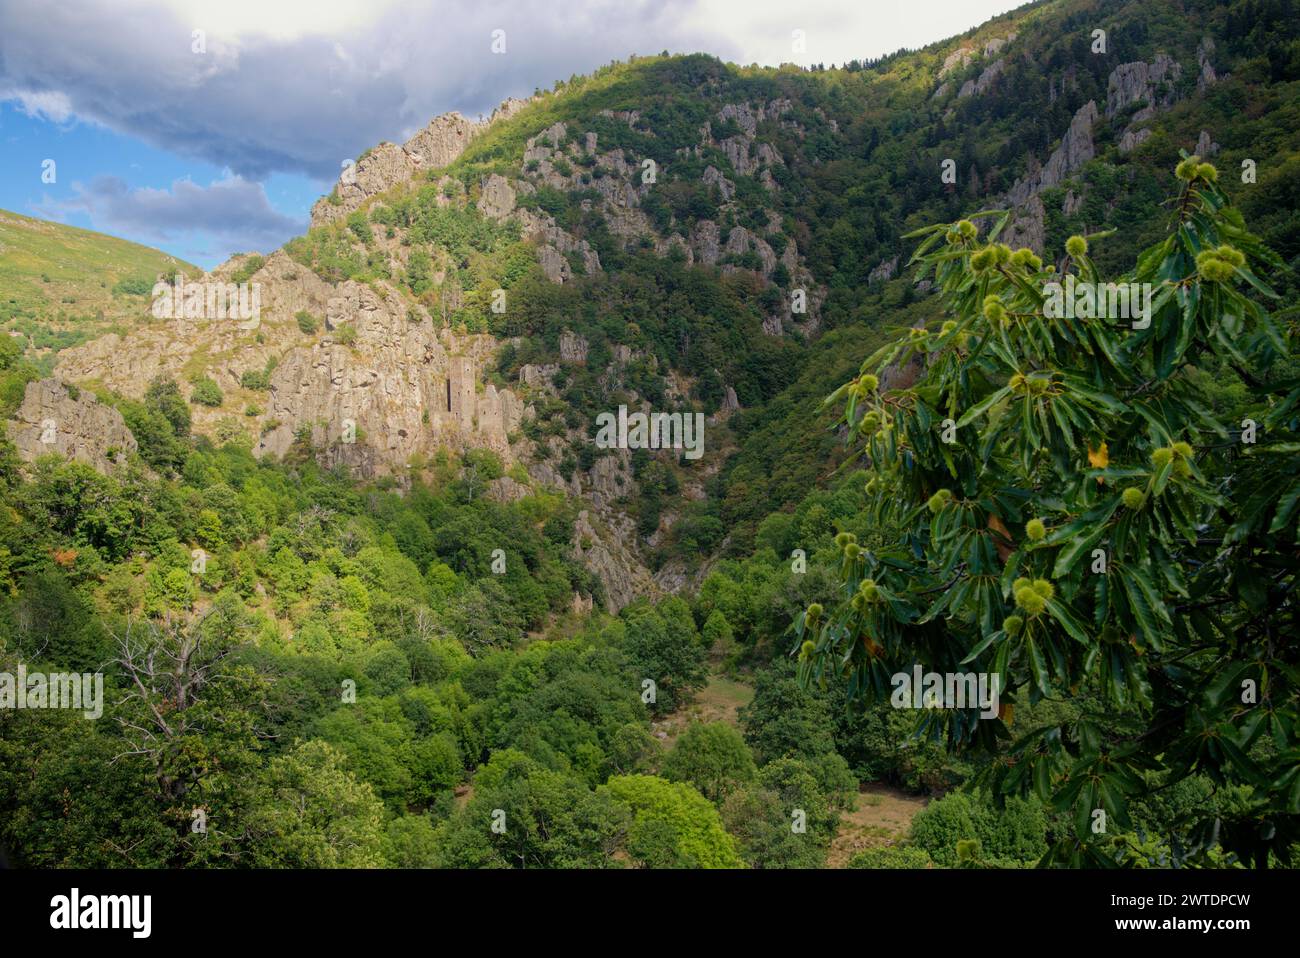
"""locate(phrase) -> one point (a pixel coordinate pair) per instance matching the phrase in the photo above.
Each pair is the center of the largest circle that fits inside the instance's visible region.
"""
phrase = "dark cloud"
(232, 214)
(262, 104)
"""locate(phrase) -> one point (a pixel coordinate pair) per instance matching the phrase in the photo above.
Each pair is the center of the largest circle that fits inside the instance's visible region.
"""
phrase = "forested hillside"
(366, 592)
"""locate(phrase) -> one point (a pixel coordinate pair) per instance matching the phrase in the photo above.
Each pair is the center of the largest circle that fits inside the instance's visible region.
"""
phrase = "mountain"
(369, 582)
(678, 233)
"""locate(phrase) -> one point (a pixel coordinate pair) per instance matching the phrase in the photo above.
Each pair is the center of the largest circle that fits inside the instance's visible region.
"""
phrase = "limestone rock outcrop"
(1207, 76)
(401, 389)
(985, 81)
(884, 271)
(437, 145)
(1076, 148)
(55, 420)
(601, 544)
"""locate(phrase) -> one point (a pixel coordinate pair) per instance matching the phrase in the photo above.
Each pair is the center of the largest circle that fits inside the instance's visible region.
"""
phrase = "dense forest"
(303, 668)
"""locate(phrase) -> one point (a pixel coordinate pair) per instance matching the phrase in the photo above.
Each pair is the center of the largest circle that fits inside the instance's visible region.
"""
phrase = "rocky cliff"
(1136, 93)
(56, 420)
(388, 165)
(397, 388)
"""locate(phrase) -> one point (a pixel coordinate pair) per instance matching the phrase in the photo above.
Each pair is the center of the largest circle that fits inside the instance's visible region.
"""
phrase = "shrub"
(135, 286)
(891, 856)
(255, 379)
(206, 392)
(246, 269)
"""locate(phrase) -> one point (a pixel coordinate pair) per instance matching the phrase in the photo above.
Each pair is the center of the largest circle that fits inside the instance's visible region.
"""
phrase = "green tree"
(164, 397)
(786, 719)
(763, 827)
(1092, 524)
(525, 816)
(713, 757)
(663, 646)
(673, 825)
(311, 813)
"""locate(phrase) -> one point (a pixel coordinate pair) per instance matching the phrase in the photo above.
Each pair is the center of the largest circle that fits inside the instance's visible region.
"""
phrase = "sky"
(207, 129)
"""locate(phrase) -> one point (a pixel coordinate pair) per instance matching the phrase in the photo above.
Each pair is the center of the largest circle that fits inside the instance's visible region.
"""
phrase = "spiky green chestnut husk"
(1186, 170)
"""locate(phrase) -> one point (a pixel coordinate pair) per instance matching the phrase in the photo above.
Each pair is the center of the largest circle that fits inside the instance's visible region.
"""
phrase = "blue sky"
(212, 151)
(97, 169)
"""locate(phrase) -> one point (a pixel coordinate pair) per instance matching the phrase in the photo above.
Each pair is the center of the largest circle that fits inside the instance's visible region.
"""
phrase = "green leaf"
(1068, 621)
(983, 406)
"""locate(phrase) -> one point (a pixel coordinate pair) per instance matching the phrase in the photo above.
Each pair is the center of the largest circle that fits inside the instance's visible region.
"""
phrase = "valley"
(574, 491)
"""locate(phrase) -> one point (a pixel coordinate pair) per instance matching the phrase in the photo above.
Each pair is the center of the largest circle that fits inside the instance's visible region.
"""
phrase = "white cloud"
(300, 86)
(229, 214)
(834, 31)
(44, 104)
(277, 19)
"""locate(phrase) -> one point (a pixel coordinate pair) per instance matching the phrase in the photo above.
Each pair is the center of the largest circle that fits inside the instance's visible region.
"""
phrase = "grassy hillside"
(61, 285)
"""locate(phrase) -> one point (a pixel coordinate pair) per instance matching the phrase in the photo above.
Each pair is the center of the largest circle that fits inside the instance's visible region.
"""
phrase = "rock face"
(713, 177)
(741, 241)
(555, 244)
(1076, 148)
(1151, 84)
(956, 60)
(706, 242)
(984, 82)
(1131, 139)
(1207, 77)
(401, 390)
(1153, 87)
(573, 348)
(50, 420)
(127, 363)
(387, 165)
(1150, 87)
(959, 59)
(885, 271)
(498, 198)
(602, 549)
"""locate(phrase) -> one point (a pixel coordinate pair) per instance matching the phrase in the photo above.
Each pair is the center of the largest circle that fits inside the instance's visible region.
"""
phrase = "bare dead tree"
(166, 666)
(422, 624)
